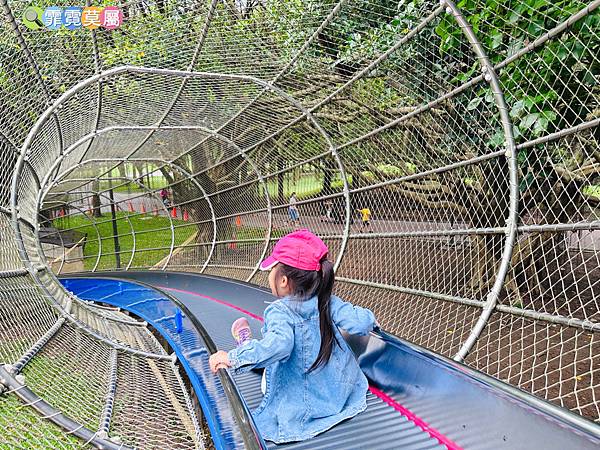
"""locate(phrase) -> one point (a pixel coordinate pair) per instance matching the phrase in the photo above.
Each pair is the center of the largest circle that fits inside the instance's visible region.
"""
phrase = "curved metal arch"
(182, 171)
(42, 255)
(93, 222)
(126, 69)
(77, 299)
(262, 181)
(512, 219)
(89, 136)
(184, 74)
(332, 148)
(189, 176)
(43, 194)
(66, 312)
(306, 112)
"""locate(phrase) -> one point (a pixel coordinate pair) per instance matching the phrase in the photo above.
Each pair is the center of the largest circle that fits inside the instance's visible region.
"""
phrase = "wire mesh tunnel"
(469, 131)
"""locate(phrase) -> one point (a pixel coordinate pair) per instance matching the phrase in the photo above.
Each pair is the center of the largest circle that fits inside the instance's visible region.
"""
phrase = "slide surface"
(416, 399)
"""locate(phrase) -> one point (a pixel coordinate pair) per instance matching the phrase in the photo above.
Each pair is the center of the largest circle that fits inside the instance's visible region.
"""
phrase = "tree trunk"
(96, 203)
(328, 171)
(280, 180)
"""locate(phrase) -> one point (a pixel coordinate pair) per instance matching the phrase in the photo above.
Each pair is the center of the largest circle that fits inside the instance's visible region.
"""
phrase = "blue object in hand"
(178, 321)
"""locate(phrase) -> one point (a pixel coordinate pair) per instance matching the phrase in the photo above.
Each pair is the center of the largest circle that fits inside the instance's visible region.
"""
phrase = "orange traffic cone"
(238, 221)
(186, 217)
(143, 209)
(130, 205)
(174, 213)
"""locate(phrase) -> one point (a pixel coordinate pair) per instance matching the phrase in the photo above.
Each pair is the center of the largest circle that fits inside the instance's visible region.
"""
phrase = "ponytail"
(304, 284)
(325, 323)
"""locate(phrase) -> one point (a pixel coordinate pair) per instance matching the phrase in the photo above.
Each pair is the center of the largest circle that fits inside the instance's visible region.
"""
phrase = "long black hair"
(306, 283)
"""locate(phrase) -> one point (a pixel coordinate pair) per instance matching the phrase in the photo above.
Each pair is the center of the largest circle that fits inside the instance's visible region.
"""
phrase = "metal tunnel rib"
(110, 396)
(22, 362)
(54, 415)
(465, 133)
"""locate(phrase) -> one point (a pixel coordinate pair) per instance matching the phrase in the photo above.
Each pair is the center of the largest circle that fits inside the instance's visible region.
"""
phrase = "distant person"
(366, 219)
(293, 209)
(312, 380)
(164, 196)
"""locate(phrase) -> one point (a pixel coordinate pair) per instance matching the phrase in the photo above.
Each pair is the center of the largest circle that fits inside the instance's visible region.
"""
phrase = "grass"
(52, 376)
(145, 238)
(25, 422)
(31, 430)
(305, 185)
(149, 233)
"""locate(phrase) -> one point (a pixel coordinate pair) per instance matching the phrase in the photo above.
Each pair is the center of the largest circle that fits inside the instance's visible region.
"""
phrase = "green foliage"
(592, 191)
(540, 83)
(377, 88)
(366, 29)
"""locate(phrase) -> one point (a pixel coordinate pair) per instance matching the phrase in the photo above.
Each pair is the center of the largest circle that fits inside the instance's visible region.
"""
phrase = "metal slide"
(416, 400)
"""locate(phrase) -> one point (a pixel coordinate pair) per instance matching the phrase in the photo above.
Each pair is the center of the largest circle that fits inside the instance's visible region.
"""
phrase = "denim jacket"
(298, 405)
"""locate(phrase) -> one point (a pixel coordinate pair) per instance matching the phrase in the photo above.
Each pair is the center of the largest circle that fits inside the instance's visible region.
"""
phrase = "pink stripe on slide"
(380, 394)
(214, 300)
(415, 419)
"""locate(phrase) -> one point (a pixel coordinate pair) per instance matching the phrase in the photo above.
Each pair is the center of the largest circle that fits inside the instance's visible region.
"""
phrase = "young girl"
(312, 380)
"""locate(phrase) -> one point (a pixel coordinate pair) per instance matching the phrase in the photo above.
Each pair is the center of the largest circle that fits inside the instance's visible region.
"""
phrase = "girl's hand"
(219, 360)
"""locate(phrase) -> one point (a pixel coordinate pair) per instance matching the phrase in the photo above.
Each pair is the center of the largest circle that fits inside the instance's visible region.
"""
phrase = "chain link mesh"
(469, 130)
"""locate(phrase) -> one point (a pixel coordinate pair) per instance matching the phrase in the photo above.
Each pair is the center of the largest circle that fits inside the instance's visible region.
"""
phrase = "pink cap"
(300, 249)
